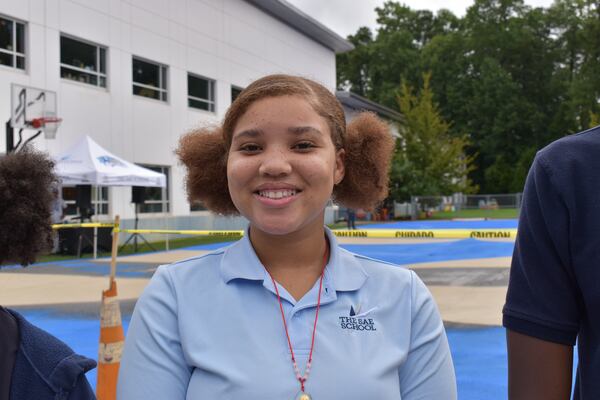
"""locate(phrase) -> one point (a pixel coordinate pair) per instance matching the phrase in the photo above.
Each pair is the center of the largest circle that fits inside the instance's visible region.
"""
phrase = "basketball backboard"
(33, 108)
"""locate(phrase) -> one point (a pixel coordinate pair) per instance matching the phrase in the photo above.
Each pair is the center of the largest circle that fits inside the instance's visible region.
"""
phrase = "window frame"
(14, 53)
(212, 93)
(165, 203)
(163, 78)
(99, 202)
(99, 75)
(234, 87)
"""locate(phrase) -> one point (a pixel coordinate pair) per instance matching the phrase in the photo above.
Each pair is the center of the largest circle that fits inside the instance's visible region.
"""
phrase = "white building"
(136, 74)
(353, 104)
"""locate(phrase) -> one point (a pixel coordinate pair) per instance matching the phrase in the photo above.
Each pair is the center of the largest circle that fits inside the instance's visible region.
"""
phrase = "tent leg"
(95, 242)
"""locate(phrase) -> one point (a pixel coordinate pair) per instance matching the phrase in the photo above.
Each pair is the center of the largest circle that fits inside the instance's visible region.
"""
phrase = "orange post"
(112, 336)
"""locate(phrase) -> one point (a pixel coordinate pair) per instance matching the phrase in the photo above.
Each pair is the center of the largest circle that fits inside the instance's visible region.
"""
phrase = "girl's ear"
(340, 167)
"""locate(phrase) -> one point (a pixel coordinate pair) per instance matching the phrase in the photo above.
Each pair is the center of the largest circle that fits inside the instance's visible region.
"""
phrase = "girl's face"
(282, 165)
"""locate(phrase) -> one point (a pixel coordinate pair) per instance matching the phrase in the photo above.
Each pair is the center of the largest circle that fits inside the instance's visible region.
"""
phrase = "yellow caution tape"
(362, 233)
(84, 225)
(358, 233)
(429, 233)
(237, 234)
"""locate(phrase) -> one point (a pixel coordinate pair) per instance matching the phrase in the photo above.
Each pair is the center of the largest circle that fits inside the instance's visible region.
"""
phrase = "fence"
(458, 202)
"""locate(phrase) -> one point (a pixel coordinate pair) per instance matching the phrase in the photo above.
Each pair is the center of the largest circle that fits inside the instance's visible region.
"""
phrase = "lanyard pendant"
(303, 396)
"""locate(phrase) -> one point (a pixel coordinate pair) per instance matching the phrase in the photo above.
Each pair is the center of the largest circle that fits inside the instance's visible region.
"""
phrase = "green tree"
(511, 76)
(378, 65)
(353, 70)
(594, 120)
(428, 160)
(576, 23)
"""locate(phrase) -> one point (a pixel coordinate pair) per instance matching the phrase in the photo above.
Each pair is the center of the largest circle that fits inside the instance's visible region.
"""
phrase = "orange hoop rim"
(42, 121)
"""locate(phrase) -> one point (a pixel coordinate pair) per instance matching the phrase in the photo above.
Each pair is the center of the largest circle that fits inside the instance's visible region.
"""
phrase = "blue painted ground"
(447, 224)
(479, 354)
(420, 252)
(431, 252)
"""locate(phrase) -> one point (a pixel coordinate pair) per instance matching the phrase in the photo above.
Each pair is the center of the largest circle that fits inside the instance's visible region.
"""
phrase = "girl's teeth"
(277, 194)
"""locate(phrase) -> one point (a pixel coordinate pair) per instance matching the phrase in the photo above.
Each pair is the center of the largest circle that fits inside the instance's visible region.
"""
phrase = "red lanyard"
(303, 378)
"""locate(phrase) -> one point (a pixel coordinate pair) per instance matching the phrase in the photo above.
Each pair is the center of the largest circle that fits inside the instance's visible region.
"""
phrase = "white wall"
(230, 41)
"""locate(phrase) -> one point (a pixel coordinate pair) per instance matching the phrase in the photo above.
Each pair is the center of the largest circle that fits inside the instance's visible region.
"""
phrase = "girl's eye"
(249, 148)
(304, 146)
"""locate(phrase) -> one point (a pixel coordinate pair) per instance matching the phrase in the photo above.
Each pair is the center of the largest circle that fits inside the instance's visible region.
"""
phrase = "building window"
(99, 195)
(235, 92)
(12, 43)
(149, 79)
(201, 93)
(100, 200)
(156, 199)
(82, 62)
(197, 207)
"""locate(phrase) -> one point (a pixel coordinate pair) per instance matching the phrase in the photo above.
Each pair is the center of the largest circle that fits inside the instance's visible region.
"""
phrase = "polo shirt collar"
(241, 262)
(343, 273)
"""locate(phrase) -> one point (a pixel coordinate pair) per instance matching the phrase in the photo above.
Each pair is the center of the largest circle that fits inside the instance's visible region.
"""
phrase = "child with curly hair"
(33, 364)
(286, 311)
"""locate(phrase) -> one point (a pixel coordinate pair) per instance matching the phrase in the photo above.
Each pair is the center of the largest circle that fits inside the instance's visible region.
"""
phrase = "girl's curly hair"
(26, 195)
(367, 142)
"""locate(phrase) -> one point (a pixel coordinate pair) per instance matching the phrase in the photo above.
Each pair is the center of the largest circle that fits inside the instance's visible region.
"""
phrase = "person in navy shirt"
(285, 313)
(554, 289)
(33, 363)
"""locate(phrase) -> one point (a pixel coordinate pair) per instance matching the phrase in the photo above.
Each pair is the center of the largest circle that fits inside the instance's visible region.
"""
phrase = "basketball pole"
(10, 138)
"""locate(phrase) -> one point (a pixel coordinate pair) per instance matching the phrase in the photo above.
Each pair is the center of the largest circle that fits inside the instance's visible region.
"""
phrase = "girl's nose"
(275, 163)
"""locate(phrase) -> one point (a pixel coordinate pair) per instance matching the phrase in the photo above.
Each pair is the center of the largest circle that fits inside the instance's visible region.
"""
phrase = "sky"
(345, 16)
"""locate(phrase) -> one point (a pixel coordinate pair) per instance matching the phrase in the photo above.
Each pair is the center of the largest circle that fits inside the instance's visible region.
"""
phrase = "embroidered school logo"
(358, 321)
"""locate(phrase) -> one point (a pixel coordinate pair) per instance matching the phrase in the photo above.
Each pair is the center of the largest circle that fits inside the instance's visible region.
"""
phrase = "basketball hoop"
(31, 108)
(48, 124)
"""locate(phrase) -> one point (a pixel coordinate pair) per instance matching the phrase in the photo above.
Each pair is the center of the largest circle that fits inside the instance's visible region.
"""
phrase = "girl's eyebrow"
(298, 130)
(251, 133)
(304, 129)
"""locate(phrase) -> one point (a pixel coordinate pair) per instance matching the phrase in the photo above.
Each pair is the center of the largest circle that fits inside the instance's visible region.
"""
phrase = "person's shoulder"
(201, 263)
(570, 160)
(379, 269)
(393, 285)
(48, 357)
(572, 148)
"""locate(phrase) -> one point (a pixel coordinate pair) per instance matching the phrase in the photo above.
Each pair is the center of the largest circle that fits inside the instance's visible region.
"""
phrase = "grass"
(343, 224)
(143, 248)
(501, 213)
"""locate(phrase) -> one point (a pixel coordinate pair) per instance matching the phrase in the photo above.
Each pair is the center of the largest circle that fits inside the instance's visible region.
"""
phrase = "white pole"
(167, 241)
(95, 242)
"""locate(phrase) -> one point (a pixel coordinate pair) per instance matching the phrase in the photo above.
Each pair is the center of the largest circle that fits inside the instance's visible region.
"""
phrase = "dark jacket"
(46, 368)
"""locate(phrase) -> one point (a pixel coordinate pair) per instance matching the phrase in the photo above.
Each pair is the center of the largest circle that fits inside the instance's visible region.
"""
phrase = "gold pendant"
(303, 396)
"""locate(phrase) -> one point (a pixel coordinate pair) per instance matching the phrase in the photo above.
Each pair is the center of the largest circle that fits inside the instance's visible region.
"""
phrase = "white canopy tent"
(87, 163)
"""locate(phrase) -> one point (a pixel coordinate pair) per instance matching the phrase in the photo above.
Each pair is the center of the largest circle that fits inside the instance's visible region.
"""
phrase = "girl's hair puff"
(368, 155)
(204, 154)
(367, 143)
(27, 185)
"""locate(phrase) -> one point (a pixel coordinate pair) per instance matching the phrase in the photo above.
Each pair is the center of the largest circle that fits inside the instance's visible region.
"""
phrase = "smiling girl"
(285, 313)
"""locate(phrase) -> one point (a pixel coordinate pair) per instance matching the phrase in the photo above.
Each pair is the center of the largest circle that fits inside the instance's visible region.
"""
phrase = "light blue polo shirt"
(210, 328)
